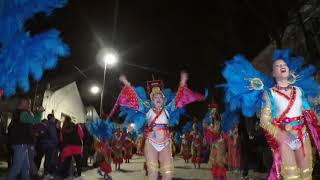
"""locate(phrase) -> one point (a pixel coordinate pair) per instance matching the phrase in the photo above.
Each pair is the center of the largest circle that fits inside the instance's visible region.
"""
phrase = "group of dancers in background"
(205, 144)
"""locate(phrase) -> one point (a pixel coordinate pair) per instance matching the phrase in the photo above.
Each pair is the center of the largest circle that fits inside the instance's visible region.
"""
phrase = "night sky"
(160, 38)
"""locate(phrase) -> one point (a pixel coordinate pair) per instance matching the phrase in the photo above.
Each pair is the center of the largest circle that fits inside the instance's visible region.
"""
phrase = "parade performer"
(128, 146)
(104, 168)
(186, 141)
(140, 145)
(233, 141)
(196, 150)
(290, 125)
(173, 144)
(218, 158)
(211, 134)
(185, 149)
(117, 147)
(158, 114)
(216, 139)
(196, 146)
(102, 131)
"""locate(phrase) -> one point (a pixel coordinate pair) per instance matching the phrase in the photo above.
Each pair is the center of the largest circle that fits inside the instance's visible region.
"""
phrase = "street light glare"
(110, 59)
(95, 89)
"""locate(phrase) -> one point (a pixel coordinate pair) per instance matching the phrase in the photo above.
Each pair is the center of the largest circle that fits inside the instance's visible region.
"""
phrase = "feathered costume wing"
(134, 104)
(23, 55)
(245, 85)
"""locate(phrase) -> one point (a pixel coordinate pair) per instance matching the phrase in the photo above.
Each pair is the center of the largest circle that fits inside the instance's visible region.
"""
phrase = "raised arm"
(128, 98)
(124, 80)
(184, 95)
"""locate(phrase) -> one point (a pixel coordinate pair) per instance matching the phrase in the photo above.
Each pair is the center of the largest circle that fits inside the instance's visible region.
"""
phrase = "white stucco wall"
(66, 101)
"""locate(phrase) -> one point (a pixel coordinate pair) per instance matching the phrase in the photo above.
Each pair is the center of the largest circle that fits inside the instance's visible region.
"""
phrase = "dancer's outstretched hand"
(124, 80)
(184, 78)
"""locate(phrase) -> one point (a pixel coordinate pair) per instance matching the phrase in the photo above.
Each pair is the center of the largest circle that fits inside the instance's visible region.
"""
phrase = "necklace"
(283, 88)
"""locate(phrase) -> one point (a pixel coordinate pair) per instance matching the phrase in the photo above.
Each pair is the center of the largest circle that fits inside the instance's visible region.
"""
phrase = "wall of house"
(65, 101)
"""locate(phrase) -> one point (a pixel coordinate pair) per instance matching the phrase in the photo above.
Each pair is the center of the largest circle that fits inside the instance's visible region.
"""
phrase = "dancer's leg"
(166, 163)
(289, 169)
(304, 162)
(151, 155)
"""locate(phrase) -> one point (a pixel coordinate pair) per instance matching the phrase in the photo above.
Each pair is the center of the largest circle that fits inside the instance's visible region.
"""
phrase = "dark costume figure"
(196, 146)
(105, 166)
(117, 148)
(128, 147)
(185, 149)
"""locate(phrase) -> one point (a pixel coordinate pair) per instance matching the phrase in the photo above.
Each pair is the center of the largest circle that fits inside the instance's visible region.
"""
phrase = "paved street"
(134, 171)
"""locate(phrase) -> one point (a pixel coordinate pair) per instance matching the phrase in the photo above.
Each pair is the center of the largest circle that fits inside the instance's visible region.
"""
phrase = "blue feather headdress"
(101, 129)
(23, 55)
(284, 54)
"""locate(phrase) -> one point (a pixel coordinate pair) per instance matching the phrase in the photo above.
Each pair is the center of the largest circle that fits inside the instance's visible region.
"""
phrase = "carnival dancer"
(102, 131)
(128, 145)
(286, 116)
(105, 169)
(233, 141)
(158, 115)
(196, 146)
(185, 149)
(283, 119)
(117, 147)
(211, 132)
(216, 138)
(218, 158)
(173, 144)
(140, 145)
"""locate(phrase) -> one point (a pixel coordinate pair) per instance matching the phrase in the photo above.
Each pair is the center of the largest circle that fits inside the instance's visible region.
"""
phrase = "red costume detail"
(185, 96)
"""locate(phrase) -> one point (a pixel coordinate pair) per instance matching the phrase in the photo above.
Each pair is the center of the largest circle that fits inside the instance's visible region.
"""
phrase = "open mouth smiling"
(283, 70)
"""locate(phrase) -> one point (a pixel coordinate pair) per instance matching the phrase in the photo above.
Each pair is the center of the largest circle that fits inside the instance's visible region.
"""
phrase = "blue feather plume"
(177, 138)
(237, 93)
(22, 55)
(207, 119)
(175, 116)
(187, 128)
(229, 120)
(101, 129)
(133, 116)
(169, 94)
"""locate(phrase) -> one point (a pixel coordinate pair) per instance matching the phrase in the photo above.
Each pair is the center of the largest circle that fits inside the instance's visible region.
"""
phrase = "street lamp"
(109, 57)
(95, 89)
